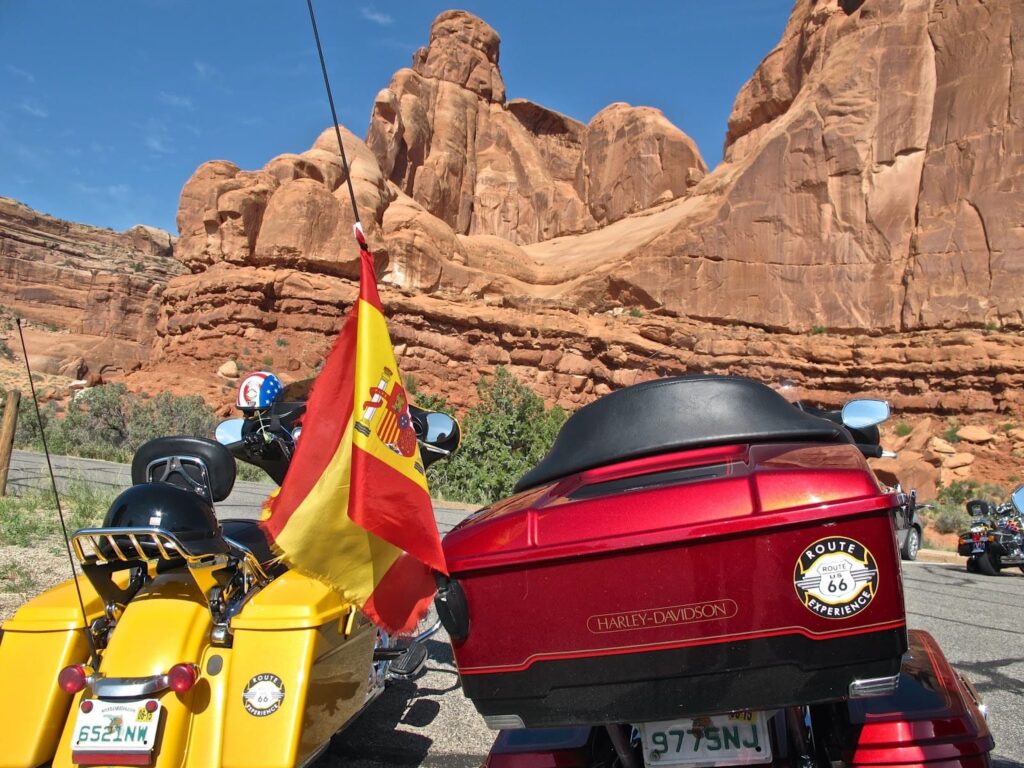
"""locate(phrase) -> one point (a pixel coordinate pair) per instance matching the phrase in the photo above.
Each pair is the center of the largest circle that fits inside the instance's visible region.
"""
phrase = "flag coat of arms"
(354, 510)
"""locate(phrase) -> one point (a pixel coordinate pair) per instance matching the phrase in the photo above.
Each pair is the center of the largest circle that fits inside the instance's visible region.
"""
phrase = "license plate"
(116, 728)
(978, 548)
(737, 739)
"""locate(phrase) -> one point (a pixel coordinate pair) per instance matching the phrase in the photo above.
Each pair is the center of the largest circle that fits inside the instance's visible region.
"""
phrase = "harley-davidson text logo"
(836, 577)
(651, 618)
(263, 695)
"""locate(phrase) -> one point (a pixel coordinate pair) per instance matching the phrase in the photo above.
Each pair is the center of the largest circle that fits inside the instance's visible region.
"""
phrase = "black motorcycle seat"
(248, 534)
(675, 414)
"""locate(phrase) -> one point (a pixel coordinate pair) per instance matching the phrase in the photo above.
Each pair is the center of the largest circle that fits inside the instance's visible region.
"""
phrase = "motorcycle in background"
(995, 538)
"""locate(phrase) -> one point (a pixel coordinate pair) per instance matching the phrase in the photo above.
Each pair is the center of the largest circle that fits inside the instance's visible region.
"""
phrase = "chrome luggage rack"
(225, 579)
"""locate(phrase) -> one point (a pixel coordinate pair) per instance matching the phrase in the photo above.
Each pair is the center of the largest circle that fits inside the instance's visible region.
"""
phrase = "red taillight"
(72, 679)
(151, 706)
(87, 706)
(182, 677)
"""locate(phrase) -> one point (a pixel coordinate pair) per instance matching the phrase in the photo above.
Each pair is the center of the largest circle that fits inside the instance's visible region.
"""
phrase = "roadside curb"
(939, 556)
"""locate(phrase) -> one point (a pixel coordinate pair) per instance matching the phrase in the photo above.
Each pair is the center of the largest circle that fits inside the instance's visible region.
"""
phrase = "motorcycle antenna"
(56, 496)
(358, 228)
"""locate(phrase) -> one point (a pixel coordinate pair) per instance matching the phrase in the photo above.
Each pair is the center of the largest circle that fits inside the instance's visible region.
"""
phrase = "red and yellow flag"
(354, 511)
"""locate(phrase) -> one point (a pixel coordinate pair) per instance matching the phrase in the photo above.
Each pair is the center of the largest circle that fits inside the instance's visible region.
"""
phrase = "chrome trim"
(874, 686)
(973, 693)
(174, 465)
(126, 687)
(427, 633)
(503, 722)
(93, 547)
(220, 636)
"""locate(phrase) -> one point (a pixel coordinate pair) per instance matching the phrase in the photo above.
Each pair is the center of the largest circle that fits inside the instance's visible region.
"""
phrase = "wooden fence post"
(7, 430)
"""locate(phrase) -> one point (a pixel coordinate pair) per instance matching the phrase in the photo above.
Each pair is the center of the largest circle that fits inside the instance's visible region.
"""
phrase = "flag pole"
(358, 228)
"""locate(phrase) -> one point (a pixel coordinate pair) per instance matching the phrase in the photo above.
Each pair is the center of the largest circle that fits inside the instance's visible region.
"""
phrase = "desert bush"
(950, 514)
(429, 402)
(503, 437)
(109, 422)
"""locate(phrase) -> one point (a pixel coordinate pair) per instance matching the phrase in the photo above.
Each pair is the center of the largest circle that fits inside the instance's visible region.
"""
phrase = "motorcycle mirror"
(441, 428)
(229, 432)
(1017, 497)
(442, 436)
(859, 414)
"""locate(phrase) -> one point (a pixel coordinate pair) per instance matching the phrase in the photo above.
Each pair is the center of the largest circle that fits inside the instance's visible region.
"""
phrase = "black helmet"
(187, 515)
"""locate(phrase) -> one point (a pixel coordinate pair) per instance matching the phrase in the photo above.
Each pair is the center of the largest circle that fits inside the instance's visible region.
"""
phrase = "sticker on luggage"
(836, 577)
(263, 695)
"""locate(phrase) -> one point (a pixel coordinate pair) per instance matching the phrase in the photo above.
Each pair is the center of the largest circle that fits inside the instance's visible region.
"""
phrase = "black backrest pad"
(676, 414)
(219, 462)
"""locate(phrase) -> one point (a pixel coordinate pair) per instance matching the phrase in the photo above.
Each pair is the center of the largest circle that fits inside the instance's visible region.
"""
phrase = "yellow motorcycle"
(185, 643)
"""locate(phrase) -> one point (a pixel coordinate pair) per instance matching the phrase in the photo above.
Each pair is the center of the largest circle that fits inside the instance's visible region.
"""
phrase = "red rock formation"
(99, 288)
(871, 179)
(444, 135)
(842, 204)
(871, 183)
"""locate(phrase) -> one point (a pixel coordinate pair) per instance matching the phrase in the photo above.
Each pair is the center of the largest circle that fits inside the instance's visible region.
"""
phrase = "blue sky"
(106, 108)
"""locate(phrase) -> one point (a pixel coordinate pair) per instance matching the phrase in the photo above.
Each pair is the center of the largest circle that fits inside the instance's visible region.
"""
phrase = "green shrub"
(428, 402)
(251, 473)
(108, 422)
(636, 312)
(818, 329)
(503, 437)
(903, 429)
(950, 515)
(952, 434)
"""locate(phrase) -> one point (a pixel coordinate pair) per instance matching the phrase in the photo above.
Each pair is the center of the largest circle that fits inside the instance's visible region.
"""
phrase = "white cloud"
(22, 73)
(33, 108)
(173, 100)
(158, 144)
(370, 13)
(111, 192)
(204, 70)
(157, 138)
(33, 156)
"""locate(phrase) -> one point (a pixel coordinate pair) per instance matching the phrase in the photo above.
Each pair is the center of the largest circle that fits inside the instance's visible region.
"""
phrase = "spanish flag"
(353, 510)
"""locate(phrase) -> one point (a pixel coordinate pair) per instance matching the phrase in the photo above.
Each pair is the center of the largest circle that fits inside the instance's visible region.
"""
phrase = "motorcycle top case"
(689, 546)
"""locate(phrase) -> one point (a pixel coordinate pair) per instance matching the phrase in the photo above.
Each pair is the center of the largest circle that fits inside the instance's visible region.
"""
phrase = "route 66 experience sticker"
(836, 577)
(263, 695)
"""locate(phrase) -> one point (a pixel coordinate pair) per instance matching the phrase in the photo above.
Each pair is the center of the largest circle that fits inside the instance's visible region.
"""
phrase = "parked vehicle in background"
(995, 538)
(908, 526)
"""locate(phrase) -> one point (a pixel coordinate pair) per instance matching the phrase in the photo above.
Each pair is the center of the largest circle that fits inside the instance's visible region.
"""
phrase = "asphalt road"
(978, 621)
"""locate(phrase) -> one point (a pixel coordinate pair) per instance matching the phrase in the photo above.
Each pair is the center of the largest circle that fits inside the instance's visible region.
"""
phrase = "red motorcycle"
(699, 573)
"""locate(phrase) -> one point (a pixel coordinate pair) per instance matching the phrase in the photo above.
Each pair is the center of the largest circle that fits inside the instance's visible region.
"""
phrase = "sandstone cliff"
(444, 135)
(98, 291)
(863, 234)
(866, 204)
